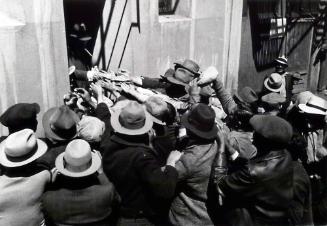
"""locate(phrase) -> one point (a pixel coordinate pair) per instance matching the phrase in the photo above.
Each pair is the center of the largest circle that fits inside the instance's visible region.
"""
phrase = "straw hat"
(315, 105)
(274, 83)
(21, 148)
(78, 160)
(131, 119)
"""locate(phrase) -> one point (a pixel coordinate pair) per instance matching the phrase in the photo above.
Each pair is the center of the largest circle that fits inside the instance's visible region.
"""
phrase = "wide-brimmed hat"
(158, 108)
(184, 78)
(90, 129)
(131, 119)
(60, 123)
(274, 82)
(79, 32)
(21, 148)
(273, 99)
(78, 160)
(19, 114)
(273, 128)
(315, 105)
(200, 120)
(282, 60)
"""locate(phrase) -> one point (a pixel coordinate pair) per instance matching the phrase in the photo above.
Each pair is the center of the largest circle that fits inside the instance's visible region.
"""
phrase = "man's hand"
(54, 173)
(97, 89)
(208, 76)
(84, 94)
(173, 157)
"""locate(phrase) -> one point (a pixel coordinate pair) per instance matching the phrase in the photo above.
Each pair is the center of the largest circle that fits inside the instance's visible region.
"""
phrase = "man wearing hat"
(273, 189)
(128, 161)
(60, 127)
(176, 82)
(79, 58)
(194, 168)
(20, 116)
(81, 194)
(281, 63)
(273, 103)
(22, 181)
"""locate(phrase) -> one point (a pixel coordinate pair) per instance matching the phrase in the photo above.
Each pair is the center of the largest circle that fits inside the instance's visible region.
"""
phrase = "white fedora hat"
(315, 105)
(21, 148)
(274, 82)
(78, 160)
(131, 119)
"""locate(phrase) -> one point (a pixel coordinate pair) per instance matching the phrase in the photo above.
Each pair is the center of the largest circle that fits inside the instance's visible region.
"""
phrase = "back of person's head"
(20, 116)
(270, 132)
(90, 129)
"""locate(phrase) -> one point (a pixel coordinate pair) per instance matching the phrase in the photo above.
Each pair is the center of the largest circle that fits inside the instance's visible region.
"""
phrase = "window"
(167, 7)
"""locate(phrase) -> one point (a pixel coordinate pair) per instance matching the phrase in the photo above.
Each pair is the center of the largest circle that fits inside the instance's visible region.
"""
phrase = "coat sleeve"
(224, 97)
(161, 182)
(153, 83)
(238, 184)
(301, 206)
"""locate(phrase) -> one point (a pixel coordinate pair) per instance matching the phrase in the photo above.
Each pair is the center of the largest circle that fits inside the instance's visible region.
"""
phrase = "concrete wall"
(33, 57)
(140, 40)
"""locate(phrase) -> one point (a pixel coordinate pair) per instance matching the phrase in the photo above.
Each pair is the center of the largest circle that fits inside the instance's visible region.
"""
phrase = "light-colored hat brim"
(114, 120)
(41, 150)
(311, 110)
(271, 89)
(95, 166)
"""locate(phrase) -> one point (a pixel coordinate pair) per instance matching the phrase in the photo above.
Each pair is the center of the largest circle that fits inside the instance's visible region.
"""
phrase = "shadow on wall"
(88, 12)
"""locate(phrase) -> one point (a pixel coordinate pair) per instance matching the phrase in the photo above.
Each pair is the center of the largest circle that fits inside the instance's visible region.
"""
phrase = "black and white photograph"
(163, 113)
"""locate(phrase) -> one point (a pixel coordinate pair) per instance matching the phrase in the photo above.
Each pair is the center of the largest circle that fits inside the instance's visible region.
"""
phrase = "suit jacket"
(79, 201)
(137, 175)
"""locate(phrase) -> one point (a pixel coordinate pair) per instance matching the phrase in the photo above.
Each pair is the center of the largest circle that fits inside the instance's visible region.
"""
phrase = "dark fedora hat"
(60, 123)
(273, 128)
(188, 65)
(184, 78)
(201, 121)
(246, 95)
(19, 115)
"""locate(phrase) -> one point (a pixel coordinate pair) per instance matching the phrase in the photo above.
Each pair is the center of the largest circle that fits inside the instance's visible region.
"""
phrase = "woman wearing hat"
(128, 161)
(189, 207)
(80, 195)
(22, 181)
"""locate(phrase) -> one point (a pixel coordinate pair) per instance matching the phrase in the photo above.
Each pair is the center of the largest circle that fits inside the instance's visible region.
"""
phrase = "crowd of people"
(175, 150)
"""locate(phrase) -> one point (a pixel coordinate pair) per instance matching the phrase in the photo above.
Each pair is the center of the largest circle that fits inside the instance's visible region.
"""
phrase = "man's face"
(184, 75)
(280, 69)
